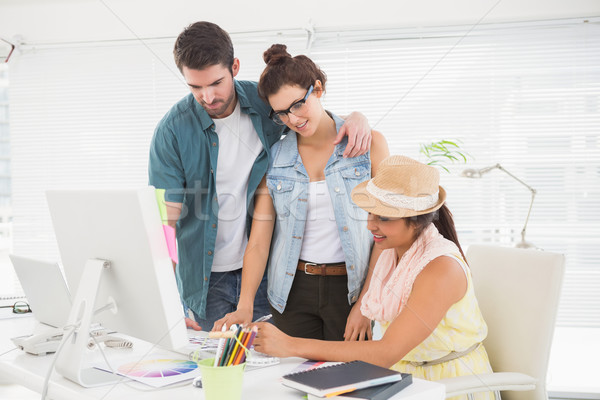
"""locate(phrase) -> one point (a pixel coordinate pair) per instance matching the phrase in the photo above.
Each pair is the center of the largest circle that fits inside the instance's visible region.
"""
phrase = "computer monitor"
(114, 252)
(45, 289)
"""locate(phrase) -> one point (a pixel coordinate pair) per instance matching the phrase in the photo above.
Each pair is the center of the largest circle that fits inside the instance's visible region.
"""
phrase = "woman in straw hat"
(420, 289)
(319, 256)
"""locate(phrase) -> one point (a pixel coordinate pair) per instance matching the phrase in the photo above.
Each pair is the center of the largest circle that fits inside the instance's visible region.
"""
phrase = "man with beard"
(209, 153)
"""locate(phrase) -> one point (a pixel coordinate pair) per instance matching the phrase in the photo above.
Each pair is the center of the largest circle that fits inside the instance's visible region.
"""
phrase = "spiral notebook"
(341, 378)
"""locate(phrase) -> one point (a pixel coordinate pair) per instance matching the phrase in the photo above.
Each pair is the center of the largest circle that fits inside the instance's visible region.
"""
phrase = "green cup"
(221, 383)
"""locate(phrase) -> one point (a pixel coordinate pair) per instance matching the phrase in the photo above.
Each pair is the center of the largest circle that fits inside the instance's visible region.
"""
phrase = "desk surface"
(29, 371)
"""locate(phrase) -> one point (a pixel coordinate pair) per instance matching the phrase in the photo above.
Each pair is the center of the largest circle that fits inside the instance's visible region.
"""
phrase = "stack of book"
(352, 380)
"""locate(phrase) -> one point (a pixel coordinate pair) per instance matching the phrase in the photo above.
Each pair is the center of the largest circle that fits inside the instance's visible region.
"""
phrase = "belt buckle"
(307, 264)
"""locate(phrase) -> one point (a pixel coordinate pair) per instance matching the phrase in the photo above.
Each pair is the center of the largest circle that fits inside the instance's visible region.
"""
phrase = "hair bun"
(276, 54)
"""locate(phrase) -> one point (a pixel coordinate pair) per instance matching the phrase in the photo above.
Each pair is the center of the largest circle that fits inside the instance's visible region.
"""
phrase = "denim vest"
(288, 181)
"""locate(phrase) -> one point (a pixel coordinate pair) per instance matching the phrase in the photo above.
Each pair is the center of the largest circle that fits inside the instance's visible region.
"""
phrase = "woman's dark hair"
(201, 45)
(283, 69)
(443, 221)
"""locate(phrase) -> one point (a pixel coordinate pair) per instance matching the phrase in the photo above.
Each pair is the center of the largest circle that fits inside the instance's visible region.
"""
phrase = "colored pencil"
(238, 335)
(220, 347)
(250, 341)
(242, 350)
(227, 347)
(221, 335)
(232, 343)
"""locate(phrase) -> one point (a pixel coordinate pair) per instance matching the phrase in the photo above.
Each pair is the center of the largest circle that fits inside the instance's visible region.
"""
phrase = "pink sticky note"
(171, 242)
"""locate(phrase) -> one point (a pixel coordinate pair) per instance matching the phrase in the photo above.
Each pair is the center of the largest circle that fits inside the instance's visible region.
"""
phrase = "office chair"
(518, 292)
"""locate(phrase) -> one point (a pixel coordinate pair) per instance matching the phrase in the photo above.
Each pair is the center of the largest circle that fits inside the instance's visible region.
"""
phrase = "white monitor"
(45, 289)
(114, 251)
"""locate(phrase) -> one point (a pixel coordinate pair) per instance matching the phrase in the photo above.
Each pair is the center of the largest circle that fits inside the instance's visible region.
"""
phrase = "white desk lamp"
(477, 173)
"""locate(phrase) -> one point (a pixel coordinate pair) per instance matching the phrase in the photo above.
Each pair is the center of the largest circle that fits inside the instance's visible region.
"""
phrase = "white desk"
(29, 371)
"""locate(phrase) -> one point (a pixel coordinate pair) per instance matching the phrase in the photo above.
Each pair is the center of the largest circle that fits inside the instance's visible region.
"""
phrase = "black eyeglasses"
(282, 117)
(20, 307)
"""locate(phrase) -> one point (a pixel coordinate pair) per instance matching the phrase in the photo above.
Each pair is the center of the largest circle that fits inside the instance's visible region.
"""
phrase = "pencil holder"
(221, 383)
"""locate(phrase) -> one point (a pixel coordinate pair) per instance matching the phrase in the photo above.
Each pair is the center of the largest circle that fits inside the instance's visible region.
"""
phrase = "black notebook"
(379, 392)
(340, 378)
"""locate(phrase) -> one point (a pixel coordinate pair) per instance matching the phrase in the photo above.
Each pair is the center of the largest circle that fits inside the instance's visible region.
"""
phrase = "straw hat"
(402, 188)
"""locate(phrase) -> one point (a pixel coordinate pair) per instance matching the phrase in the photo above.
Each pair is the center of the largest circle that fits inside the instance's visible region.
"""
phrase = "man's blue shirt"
(183, 161)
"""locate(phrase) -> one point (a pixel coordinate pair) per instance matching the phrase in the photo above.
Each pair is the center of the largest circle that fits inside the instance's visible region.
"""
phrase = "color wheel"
(157, 368)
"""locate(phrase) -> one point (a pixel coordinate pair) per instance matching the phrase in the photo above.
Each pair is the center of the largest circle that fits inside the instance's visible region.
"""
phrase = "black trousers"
(317, 307)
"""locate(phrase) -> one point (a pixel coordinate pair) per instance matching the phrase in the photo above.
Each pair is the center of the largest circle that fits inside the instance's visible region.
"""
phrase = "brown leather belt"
(322, 269)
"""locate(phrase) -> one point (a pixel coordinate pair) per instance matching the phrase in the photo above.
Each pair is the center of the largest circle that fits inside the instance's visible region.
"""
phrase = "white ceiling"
(59, 21)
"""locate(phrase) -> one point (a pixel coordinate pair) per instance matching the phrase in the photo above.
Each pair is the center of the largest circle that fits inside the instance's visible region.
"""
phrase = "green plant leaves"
(444, 151)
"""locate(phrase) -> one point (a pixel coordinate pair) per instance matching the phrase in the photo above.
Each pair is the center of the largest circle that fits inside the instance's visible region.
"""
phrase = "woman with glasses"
(305, 225)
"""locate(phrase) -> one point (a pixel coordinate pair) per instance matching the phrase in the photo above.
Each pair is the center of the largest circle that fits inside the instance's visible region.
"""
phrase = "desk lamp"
(478, 173)
(12, 48)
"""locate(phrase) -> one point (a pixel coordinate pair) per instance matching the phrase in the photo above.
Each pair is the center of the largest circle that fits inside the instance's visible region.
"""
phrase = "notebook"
(340, 378)
(45, 289)
(379, 392)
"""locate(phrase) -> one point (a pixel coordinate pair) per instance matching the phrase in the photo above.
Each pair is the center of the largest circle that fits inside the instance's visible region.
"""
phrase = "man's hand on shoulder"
(356, 127)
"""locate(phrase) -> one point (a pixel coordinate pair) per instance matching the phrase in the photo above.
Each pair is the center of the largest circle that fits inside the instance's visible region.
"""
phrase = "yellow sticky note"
(162, 207)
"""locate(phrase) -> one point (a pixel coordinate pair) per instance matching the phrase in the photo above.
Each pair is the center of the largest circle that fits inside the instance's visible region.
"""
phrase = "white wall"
(55, 21)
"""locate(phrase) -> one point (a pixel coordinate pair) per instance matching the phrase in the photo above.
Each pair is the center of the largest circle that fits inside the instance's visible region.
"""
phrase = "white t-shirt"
(239, 145)
(321, 242)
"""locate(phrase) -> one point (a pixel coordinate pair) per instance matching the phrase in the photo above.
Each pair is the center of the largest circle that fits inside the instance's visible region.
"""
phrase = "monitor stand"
(71, 352)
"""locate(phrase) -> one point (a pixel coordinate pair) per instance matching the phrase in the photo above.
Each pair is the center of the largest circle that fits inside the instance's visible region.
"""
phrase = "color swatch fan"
(160, 372)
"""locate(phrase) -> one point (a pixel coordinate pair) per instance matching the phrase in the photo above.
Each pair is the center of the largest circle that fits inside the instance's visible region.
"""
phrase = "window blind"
(523, 95)
(9, 284)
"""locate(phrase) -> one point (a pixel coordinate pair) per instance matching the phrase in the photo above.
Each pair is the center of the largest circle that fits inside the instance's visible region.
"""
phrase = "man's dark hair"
(201, 45)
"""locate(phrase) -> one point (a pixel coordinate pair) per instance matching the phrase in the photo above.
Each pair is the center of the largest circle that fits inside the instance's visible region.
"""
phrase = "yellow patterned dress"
(461, 329)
